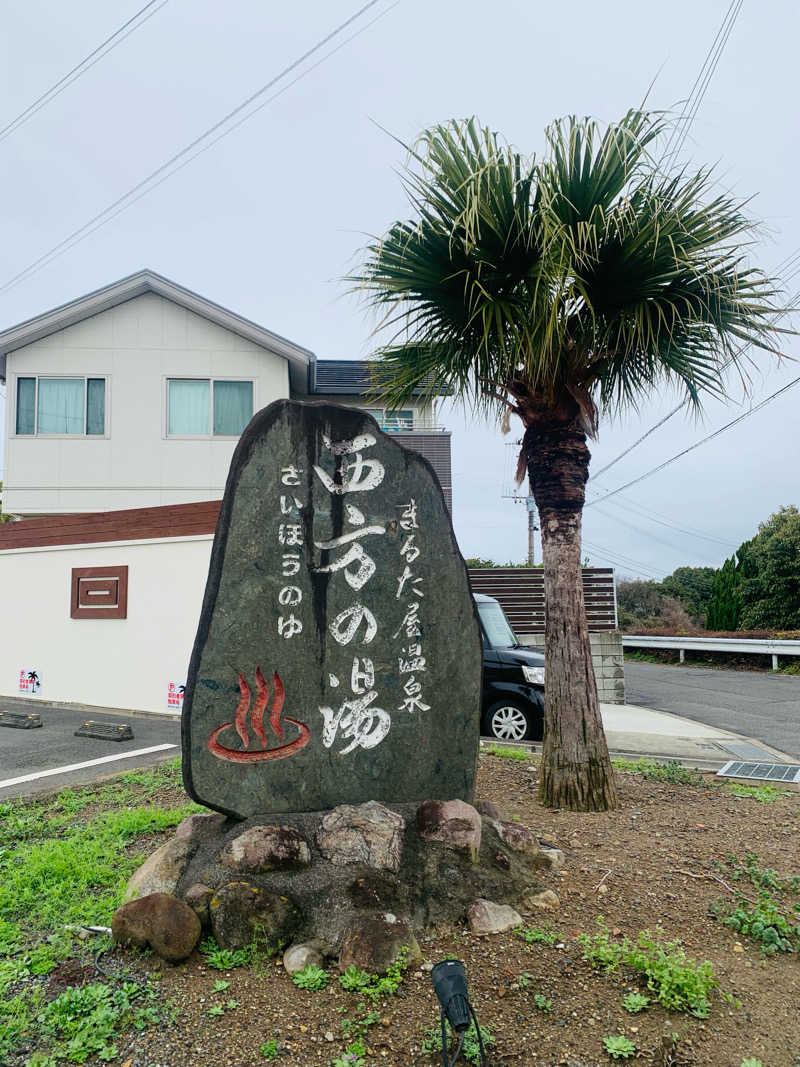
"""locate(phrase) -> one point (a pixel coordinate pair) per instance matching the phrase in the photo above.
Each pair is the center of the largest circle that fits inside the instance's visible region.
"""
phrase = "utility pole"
(532, 528)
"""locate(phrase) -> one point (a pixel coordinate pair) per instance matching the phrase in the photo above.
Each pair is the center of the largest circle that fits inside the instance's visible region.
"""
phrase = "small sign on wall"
(30, 681)
(175, 696)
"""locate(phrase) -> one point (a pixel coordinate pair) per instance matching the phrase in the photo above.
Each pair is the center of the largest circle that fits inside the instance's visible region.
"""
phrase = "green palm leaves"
(589, 274)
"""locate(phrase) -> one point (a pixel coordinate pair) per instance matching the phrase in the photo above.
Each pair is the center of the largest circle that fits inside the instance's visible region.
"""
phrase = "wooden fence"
(520, 590)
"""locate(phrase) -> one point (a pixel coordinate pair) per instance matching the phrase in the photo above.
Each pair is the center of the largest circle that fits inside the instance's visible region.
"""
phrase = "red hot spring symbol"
(245, 754)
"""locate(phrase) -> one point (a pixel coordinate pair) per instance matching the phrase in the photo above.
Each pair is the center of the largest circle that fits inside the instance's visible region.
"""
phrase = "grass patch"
(65, 860)
(764, 794)
(376, 986)
(671, 771)
(537, 935)
(501, 752)
(677, 982)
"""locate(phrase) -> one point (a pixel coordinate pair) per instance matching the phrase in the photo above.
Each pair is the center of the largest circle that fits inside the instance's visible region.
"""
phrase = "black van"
(513, 679)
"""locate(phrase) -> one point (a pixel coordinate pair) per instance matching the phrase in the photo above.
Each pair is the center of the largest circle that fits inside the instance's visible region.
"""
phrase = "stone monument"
(338, 657)
(331, 716)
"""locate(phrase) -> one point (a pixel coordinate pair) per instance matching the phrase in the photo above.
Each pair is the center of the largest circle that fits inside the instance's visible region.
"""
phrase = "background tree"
(769, 578)
(692, 587)
(557, 289)
(724, 608)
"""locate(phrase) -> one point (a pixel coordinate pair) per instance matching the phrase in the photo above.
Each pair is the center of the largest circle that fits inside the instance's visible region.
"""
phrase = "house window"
(61, 406)
(392, 421)
(202, 407)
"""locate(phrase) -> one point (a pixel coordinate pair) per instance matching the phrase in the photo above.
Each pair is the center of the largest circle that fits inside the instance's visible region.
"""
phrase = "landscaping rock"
(299, 956)
(368, 834)
(241, 913)
(486, 917)
(456, 824)
(162, 922)
(549, 859)
(198, 897)
(488, 808)
(199, 828)
(161, 872)
(547, 900)
(516, 836)
(266, 848)
(374, 944)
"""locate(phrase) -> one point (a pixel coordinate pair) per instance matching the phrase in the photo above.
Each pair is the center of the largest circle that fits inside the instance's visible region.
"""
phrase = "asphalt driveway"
(754, 703)
(51, 757)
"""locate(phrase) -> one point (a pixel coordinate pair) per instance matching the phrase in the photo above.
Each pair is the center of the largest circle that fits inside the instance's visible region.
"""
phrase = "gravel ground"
(647, 865)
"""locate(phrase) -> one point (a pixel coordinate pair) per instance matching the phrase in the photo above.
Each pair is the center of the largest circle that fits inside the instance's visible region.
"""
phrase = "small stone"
(520, 838)
(329, 1035)
(488, 808)
(373, 945)
(266, 848)
(549, 859)
(297, 957)
(368, 834)
(199, 828)
(198, 898)
(160, 872)
(241, 912)
(453, 822)
(602, 890)
(547, 900)
(486, 917)
(738, 947)
(159, 920)
(502, 861)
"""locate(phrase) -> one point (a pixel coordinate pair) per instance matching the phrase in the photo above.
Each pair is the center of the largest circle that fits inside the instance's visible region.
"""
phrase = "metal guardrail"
(764, 647)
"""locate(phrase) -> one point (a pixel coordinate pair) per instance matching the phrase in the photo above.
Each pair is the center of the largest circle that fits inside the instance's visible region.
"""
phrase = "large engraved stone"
(338, 657)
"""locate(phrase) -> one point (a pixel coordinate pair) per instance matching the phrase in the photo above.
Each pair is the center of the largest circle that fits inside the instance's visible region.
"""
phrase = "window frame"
(84, 436)
(211, 379)
(385, 418)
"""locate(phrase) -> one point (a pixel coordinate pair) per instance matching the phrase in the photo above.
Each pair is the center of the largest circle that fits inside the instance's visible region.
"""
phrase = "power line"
(742, 348)
(102, 50)
(661, 520)
(697, 444)
(620, 560)
(680, 130)
(196, 146)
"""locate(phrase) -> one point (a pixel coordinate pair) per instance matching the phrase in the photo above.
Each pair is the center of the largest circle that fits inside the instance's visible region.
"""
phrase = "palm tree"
(558, 290)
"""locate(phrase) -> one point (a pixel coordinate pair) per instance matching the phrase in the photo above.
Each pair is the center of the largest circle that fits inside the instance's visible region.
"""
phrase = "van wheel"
(507, 721)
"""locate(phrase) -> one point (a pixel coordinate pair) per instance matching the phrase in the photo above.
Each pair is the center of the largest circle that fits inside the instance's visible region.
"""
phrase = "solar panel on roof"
(763, 772)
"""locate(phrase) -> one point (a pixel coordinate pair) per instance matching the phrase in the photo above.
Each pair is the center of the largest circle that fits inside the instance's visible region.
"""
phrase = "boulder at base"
(338, 657)
(162, 922)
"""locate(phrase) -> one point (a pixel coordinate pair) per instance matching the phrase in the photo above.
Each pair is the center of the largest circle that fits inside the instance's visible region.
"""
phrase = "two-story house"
(123, 409)
(135, 395)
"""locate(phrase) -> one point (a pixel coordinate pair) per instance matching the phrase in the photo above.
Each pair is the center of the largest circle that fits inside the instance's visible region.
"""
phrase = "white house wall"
(114, 663)
(137, 345)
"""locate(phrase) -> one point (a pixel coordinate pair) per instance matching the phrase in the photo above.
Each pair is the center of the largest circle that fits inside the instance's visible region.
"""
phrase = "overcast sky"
(267, 221)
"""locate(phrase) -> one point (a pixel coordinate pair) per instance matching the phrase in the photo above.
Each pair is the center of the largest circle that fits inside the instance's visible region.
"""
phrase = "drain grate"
(763, 772)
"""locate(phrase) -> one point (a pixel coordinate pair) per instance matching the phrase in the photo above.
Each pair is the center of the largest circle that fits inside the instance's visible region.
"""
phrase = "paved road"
(754, 703)
(50, 757)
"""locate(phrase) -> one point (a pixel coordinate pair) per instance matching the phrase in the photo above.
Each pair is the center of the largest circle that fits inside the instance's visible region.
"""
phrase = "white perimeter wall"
(114, 663)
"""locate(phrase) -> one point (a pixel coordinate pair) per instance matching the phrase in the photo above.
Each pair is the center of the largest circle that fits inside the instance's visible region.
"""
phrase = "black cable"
(484, 1061)
(144, 186)
(116, 38)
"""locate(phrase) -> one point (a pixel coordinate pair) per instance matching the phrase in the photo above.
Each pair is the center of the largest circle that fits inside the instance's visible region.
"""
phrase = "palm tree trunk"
(576, 770)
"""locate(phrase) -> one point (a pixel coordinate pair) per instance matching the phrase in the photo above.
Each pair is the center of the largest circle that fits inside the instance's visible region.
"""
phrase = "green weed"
(678, 982)
(269, 1049)
(224, 959)
(432, 1042)
(671, 771)
(542, 1003)
(537, 935)
(311, 977)
(764, 794)
(635, 1002)
(376, 986)
(762, 922)
(507, 753)
(619, 1047)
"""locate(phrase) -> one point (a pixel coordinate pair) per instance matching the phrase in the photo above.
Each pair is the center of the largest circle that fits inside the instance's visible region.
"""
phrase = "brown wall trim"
(520, 591)
(99, 593)
(132, 524)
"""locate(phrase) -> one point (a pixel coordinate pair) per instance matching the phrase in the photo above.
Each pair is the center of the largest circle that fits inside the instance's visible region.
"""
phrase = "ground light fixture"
(450, 986)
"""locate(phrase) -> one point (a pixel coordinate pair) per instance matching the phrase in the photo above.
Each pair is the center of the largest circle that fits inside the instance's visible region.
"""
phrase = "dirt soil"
(647, 865)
